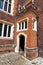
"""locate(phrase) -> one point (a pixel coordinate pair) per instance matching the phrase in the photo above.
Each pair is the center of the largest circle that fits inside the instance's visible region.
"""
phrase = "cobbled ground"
(16, 59)
(13, 59)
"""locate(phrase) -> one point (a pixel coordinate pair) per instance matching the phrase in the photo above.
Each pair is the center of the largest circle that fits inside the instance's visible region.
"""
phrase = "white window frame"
(35, 24)
(11, 33)
(12, 6)
(21, 24)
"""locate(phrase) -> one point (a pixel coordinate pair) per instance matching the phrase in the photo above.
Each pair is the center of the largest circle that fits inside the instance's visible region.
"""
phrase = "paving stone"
(16, 59)
(37, 61)
(13, 59)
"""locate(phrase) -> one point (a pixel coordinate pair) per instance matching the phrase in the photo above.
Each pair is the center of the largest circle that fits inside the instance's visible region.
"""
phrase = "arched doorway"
(21, 43)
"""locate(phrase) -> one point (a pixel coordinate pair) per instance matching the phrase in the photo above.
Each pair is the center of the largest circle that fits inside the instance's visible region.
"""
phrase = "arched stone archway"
(21, 43)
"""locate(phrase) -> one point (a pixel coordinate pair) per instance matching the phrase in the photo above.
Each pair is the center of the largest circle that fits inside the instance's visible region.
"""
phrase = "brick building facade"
(22, 28)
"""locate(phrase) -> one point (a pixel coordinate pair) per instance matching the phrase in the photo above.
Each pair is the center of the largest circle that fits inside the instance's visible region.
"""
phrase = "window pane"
(9, 8)
(5, 6)
(19, 26)
(9, 30)
(9, 1)
(1, 4)
(22, 25)
(0, 29)
(5, 30)
(6, 0)
(25, 24)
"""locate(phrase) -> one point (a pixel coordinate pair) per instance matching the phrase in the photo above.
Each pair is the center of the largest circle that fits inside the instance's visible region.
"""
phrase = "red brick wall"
(10, 19)
(31, 41)
(39, 5)
(31, 35)
(15, 7)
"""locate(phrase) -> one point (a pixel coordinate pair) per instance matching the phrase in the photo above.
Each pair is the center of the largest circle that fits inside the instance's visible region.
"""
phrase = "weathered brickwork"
(31, 40)
(39, 6)
(8, 18)
(34, 39)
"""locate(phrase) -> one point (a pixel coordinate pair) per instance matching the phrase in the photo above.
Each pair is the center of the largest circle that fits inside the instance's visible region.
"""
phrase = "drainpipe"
(37, 34)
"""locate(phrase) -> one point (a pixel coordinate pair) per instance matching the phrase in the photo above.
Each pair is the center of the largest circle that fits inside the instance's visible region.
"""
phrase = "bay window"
(22, 25)
(34, 24)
